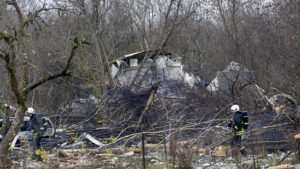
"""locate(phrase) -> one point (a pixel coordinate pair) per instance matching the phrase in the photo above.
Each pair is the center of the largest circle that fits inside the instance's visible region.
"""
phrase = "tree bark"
(101, 64)
(12, 132)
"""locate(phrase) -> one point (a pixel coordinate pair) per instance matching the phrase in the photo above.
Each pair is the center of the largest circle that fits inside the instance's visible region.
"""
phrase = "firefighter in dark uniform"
(37, 127)
(238, 124)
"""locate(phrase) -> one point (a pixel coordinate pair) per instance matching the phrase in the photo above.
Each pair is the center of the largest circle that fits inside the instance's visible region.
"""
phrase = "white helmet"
(30, 110)
(235, 108)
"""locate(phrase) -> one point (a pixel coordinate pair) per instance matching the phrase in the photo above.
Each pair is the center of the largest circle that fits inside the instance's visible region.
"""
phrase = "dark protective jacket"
(239, 123)
(36, 125)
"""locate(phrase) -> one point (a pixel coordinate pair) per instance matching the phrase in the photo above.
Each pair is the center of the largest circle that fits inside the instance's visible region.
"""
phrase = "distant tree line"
(263, 36)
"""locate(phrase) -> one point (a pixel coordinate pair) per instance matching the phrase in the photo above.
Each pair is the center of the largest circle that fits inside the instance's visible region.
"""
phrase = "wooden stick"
(166, 152)
(150, 100)
(143, 148)
(283, 158)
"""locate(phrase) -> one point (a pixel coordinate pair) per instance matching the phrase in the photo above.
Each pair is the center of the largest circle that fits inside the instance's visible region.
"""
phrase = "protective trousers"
(36, 145)
(237, 145)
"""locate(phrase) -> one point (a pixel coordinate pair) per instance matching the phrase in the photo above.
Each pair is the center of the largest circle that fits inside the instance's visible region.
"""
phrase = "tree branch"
(32, 17)
(25, 74)
(219, 3)
(44, 80)
(16, 6)
(2, 55)
(63, 72)
(150, 100)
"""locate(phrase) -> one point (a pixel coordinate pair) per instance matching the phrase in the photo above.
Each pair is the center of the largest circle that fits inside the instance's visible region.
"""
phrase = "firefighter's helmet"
(30, 110)
(235, 108)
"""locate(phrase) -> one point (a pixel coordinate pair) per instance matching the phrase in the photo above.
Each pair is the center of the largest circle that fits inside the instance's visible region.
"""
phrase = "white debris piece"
(130, 153)
(277, 99)
(171, 62)
(270, 156)
(133, 62)
(60, 130)
(114, 70)
(167, 68)
(161, 62)
(234, 72)
(235, 67)
(189, 79)
(13, 143)
(91, 138)
(124, 164)
(213, 86)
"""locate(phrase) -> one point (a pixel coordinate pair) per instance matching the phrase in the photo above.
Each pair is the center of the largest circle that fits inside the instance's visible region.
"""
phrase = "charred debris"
(171, 101)
(158, 96)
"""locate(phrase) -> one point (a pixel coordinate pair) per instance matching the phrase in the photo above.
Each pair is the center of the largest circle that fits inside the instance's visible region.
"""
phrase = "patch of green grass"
(293, 160)
(158, 166)
(107, 167)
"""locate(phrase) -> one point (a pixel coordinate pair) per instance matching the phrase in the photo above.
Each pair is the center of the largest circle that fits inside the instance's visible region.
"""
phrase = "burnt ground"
(187, 114)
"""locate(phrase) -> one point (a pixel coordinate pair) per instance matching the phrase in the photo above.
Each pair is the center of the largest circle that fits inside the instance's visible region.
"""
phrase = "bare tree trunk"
(101, 64)
(21, 94)
(111, 80)
(5, 122)
(231, 25)
(12, 132)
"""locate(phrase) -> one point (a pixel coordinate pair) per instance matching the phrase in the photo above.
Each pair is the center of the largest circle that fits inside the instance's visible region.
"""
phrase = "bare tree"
(21, 88)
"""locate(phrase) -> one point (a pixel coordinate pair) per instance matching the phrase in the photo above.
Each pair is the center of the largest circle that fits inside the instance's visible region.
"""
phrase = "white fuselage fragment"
(165, 69)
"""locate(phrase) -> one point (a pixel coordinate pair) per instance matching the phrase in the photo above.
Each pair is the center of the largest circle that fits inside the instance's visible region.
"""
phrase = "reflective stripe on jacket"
(245, 120)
